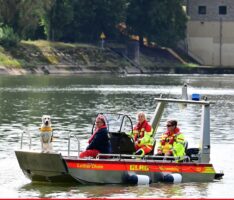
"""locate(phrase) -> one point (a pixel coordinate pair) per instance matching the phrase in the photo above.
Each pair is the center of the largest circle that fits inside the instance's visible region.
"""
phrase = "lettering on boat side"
(169, 169)
(144, 168)
(139, 168)
(89, 166)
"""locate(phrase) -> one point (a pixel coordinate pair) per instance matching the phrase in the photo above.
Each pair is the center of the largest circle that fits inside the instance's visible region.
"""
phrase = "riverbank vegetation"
(162, 22)
(67, 32)
(30, 54)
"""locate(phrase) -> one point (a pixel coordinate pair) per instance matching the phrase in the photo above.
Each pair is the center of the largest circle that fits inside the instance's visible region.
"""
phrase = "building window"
(201, 10)
(222, 10)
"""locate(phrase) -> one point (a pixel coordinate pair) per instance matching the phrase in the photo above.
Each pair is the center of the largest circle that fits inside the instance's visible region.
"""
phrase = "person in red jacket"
(142, 134)
(99, 142)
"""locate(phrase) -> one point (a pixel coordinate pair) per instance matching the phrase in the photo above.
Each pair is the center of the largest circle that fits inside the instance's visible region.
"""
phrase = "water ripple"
(73, 103)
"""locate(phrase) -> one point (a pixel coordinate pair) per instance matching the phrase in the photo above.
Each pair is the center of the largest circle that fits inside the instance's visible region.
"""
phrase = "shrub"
(8, 37)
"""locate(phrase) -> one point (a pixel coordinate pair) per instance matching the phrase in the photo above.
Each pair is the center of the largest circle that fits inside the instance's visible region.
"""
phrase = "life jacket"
(143, 132)
(46, 129)
(46, 134)
(172, 142)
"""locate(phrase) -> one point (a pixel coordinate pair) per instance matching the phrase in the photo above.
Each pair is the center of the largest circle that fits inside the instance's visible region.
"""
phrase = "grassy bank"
(29, 54)
(35, 54)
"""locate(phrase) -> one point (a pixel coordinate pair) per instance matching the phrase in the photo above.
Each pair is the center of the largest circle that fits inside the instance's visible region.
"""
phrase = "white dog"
(46, 134)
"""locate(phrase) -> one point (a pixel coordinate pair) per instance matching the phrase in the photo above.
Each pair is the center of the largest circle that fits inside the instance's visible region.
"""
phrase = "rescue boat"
(122, 166)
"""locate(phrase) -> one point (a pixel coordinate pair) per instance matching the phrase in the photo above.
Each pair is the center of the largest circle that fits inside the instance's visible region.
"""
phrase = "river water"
(74, 101)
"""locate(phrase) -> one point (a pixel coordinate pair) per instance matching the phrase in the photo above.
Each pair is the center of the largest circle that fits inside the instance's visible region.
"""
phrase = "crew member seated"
(142, 134)
(172, 142)
(99, 141)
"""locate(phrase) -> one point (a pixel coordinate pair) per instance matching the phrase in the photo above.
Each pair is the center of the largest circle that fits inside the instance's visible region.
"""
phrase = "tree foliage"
(93, 17)
(56, 20)
(160, 21)
(8, 37)
(23, 15)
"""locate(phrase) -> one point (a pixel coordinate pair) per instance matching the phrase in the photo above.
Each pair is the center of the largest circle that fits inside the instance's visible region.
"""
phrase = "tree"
(23, 15)
(57, 18)
(161, 21)
(93, 17)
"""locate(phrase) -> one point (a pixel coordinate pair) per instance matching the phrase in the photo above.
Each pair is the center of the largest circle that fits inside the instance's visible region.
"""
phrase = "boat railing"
(26, 134)
(22, 138)
(146, 157)
(71, 134)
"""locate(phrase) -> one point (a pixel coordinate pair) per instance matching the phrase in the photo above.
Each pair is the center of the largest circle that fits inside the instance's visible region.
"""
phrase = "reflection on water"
(46, 190)
(73, 102)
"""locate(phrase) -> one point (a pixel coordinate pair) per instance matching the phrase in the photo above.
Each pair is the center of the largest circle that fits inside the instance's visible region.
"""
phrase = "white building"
(210, 31)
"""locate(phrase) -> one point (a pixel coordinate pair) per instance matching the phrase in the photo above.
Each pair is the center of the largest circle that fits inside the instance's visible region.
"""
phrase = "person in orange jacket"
(142, 134)
(172, 142)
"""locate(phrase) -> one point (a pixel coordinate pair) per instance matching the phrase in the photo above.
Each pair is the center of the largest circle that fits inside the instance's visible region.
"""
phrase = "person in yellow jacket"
(142, 134)
(172, 142)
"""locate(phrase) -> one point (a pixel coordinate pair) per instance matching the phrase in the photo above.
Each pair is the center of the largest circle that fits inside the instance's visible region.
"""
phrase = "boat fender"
(172, 178)
(138, 179)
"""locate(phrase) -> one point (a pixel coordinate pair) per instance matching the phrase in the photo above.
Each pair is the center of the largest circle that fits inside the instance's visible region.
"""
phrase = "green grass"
(49, 44)
(191, 65)
(31, 54)
(7, 60)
